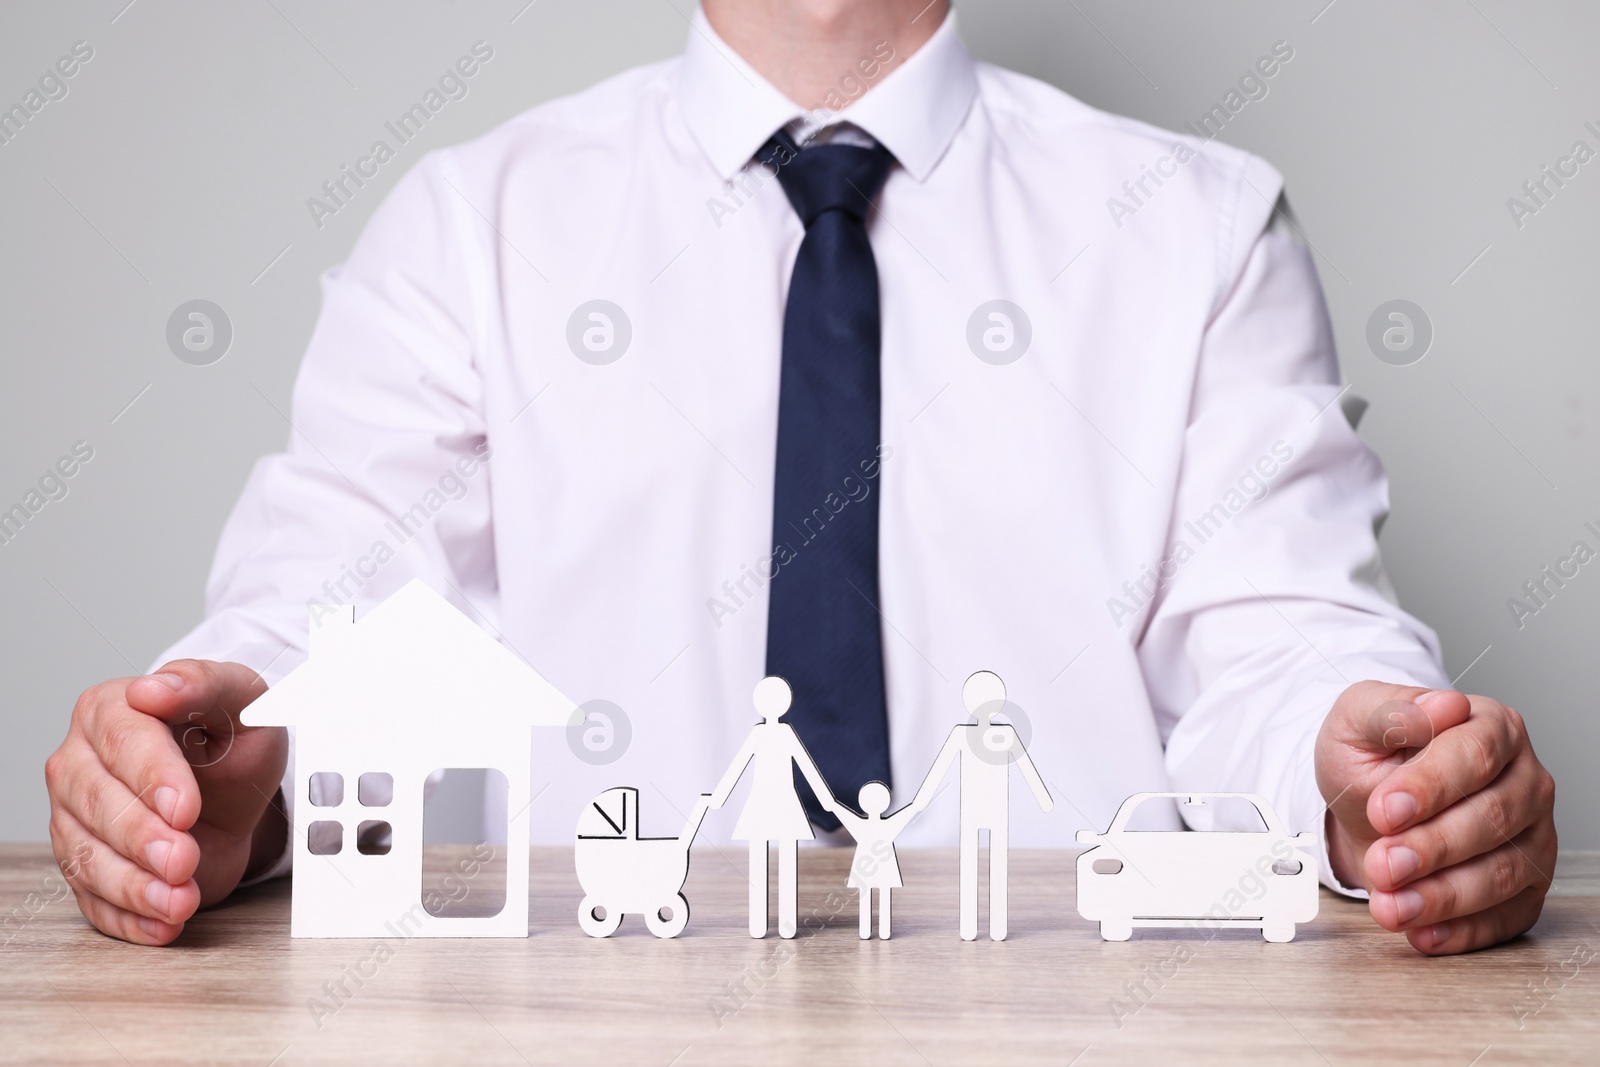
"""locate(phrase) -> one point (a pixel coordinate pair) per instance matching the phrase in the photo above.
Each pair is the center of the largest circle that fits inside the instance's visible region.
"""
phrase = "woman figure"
(875, 865)
(772, 813)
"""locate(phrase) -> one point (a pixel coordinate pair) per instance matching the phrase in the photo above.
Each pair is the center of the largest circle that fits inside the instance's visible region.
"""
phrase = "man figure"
(987, 750)
(669, 418)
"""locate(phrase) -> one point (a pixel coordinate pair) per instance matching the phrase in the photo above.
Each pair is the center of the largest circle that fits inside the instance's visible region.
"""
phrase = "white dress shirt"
(1154, 524)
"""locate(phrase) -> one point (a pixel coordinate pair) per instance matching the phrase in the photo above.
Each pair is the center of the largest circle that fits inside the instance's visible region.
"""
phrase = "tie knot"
(829, 177)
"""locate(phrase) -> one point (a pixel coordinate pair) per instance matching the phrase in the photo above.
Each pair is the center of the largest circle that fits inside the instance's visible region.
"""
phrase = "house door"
(464, 858)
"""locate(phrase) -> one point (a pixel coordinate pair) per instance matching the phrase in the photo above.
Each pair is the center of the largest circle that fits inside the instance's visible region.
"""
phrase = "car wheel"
(1115, 930)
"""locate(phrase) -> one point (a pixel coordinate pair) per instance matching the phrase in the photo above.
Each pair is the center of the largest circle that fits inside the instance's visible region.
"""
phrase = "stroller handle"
(697, 815)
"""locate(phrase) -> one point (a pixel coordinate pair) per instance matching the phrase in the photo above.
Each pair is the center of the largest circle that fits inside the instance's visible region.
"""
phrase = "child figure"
(875, 865)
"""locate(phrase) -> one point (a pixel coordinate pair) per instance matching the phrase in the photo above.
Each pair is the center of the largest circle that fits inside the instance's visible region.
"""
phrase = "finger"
(139, 752)
(1490, 927)
(113, 878)
(82, 785)
(121, 923)
(1461, 759)
(1471, 826)
(113, 814)
(1467, 888)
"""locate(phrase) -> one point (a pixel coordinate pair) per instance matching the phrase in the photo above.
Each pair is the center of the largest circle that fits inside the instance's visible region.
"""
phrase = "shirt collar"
(914, 111)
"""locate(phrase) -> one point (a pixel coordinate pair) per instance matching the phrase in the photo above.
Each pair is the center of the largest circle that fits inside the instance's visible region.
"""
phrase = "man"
(986, 750)
(682, 381)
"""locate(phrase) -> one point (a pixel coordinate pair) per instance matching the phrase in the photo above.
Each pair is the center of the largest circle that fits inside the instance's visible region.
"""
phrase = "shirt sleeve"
(386, 475)
(1272, 596)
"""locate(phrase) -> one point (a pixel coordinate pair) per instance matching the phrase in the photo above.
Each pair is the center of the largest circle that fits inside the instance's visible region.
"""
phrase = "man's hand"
(1439, 807)
(158, 795)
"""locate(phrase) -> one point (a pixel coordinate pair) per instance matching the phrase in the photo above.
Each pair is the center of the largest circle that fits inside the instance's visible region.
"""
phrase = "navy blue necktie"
(823, 631)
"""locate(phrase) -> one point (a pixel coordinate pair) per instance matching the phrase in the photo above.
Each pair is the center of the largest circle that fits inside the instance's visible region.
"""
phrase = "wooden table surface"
(237, 989)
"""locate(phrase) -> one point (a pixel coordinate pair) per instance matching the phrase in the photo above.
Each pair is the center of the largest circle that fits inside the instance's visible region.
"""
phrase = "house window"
(326, 790)
(375, 789)
(325, 838)
(374, 837)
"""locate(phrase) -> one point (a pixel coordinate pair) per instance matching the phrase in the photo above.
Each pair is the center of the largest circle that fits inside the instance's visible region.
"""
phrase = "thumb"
(1372, 729)
(201, 701)
(1388, 721)
(196, 691)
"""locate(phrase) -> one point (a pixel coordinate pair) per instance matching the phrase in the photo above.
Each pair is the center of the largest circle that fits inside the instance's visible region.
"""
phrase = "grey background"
(179, 165)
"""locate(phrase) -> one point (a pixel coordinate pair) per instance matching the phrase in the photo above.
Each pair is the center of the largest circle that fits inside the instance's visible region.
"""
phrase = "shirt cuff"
(1308, 811)
(1325, 867)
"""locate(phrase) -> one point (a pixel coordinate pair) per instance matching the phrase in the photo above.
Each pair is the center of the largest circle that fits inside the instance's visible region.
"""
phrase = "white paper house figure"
(413, 687)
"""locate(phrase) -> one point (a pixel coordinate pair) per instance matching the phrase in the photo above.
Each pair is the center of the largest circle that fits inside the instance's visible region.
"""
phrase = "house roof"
(412, 660)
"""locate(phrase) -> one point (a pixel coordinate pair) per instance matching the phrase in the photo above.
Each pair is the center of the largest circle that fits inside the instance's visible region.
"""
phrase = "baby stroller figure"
(623, 872)
(875, 865)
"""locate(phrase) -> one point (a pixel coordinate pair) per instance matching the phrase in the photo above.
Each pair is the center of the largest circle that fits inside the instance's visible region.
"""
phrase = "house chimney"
(329, 625)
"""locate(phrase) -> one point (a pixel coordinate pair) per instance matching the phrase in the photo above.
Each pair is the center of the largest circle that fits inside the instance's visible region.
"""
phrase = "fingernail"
(1424, 695)
(1399, 808)
(159, 850)
(1402, 862)
(1435, 935)
(151, 928)
(1407, 905)
(159, 896)
(171, 681)
(166, 799)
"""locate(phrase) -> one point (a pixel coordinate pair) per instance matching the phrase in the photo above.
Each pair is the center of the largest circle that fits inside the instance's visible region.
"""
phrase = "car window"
(1225, 814)
(1228, 814)
(1154, 814)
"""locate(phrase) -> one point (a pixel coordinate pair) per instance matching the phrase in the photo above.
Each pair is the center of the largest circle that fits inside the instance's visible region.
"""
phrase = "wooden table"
(237, 989)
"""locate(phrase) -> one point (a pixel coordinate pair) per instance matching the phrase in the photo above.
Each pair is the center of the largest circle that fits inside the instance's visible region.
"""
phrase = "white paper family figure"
(875, 865)
(622, 872)
(772, 812)
(987, 750)
(416, 687)
(1212, 879)
(413, 687)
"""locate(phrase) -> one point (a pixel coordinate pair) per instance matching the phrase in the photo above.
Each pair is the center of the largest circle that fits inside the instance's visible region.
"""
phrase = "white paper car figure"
(622, 872)
(1213, 879)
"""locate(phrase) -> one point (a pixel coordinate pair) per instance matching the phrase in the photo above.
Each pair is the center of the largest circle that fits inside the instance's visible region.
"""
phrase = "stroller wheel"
(670, 918)
(592, 924)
